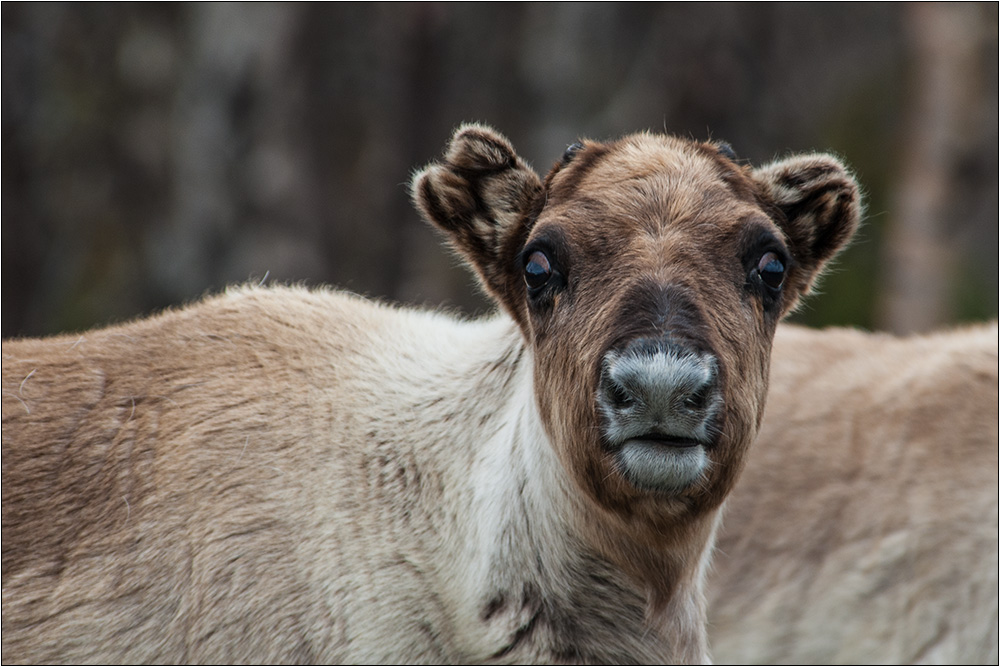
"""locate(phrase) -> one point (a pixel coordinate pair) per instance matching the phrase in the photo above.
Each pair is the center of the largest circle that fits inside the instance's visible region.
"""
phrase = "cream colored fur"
(229, 462)
(864, 528)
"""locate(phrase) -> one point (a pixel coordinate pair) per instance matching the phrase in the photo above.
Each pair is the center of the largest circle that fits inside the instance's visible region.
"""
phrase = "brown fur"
(864, 529)
(282, 475)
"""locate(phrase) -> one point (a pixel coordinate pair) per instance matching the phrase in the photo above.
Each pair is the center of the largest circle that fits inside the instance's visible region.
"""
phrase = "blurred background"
(156, 152)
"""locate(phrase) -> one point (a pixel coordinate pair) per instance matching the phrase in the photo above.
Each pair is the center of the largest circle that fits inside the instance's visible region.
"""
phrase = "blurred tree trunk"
(919, 250)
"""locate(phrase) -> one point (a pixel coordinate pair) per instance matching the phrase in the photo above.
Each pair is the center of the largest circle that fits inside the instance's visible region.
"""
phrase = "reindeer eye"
(771, 270)
(537, 271)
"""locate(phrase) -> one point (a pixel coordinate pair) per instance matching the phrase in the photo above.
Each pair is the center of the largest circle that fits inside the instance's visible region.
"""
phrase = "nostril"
(619, 397)
(697, 400)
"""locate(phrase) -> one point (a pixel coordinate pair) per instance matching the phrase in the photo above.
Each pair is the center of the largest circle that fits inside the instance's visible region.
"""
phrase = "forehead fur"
(662, 192)
(652, 178)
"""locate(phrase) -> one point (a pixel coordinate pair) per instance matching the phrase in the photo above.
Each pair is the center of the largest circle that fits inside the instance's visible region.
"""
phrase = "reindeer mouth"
(663, 464)
(660, 440)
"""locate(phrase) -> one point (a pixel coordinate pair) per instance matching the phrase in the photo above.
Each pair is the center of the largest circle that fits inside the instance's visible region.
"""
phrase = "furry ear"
(484, 197)
(819, 208)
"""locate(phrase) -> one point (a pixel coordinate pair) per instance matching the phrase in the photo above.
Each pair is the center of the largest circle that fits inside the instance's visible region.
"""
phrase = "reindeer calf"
(281, 475)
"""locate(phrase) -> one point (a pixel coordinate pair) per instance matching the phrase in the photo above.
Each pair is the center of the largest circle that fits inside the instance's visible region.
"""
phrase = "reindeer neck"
(527, 560)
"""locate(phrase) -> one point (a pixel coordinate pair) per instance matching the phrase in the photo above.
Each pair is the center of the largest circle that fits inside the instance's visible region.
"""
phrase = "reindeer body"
(239, 462)
(888, 554)
(279, 475)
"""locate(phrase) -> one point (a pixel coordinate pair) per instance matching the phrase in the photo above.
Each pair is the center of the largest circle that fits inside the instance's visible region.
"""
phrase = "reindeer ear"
(820, 209)
(484, 197)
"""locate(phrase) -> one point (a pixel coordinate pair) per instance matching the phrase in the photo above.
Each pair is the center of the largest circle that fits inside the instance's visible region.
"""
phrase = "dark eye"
(537, 271)
(771, 270)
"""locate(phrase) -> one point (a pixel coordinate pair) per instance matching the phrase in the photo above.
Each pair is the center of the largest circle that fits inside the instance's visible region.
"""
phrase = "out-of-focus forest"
(156, 152)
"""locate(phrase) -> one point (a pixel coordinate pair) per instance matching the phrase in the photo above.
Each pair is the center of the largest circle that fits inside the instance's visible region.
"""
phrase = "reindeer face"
(648, 276)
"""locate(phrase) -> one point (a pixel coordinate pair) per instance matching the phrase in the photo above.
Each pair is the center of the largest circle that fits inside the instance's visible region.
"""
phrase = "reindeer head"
(647, 275)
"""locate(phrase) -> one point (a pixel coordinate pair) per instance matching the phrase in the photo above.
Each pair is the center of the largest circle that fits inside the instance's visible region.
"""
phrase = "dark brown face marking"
(655, 239)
